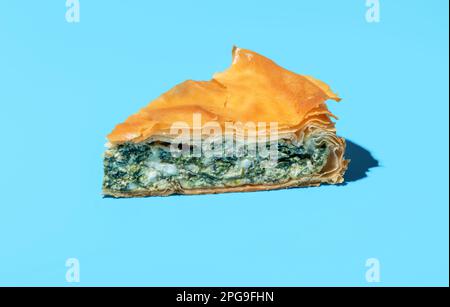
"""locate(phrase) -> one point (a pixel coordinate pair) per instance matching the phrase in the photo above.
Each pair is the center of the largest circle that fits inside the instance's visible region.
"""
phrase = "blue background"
(64, 86)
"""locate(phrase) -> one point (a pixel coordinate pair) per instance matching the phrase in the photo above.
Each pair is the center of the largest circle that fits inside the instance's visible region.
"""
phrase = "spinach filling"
(151, 166)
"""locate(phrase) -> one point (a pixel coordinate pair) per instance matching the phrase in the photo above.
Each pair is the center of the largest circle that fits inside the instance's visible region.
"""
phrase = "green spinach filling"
(151, 166)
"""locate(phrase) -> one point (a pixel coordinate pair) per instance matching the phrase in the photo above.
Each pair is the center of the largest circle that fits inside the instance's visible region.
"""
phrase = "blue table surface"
(64, 86)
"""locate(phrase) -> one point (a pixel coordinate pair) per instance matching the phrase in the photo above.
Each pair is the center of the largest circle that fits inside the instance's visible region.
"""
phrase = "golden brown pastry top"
(253, 89)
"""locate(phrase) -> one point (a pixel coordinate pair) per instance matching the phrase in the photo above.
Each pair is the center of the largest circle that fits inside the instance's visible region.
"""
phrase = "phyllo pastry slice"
(255, 126)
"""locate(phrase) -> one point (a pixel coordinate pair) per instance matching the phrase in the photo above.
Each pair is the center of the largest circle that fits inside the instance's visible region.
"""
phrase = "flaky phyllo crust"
(253, 89)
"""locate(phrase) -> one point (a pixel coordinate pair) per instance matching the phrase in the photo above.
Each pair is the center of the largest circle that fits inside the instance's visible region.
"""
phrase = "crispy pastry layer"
(254, 89)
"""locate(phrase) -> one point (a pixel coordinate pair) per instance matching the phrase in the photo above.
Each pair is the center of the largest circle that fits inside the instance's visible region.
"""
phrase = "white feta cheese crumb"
(246, 163)
(132, 186)
(168, 169)
(151, 176)
(164, 168)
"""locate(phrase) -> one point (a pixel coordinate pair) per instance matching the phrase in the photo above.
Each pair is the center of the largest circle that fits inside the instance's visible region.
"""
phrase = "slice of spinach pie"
(255, 126)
